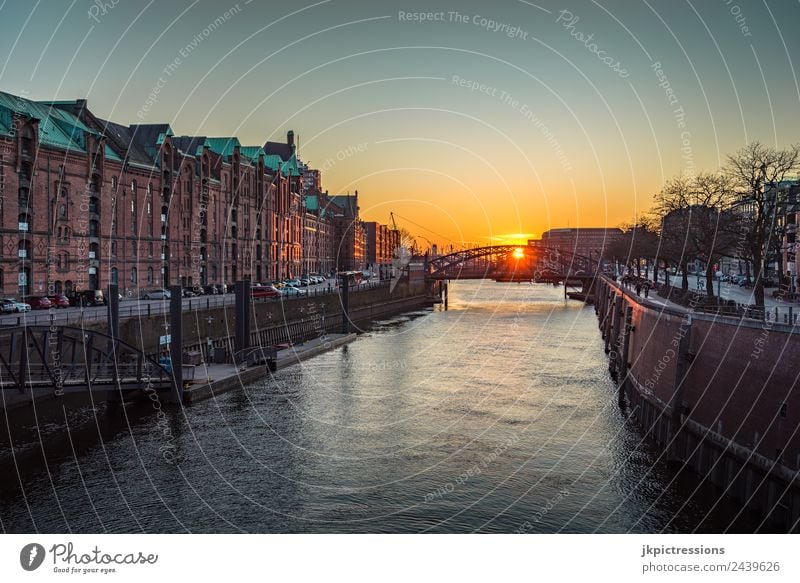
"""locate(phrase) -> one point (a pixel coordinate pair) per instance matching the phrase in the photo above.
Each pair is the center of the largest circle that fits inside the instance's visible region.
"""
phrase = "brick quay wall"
(717, 394)
(272, 321)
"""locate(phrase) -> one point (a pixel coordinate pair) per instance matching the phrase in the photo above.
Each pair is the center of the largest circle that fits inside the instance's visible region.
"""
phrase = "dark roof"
(279, 149)
(122, 138)
(348, 203)
(191, 145)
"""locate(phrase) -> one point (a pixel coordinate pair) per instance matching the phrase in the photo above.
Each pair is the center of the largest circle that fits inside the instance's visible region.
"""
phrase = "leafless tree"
(756, 170)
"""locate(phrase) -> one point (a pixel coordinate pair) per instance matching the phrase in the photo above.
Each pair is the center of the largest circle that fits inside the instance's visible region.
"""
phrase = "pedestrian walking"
(638, 289)
(646, 289)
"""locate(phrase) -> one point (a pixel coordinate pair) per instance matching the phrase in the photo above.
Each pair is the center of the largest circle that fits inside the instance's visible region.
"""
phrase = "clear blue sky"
(566, 129)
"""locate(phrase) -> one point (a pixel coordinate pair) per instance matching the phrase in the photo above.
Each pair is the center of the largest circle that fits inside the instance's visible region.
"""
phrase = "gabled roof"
(57, 128)
(289, 168)
(347, 202)
(273, 161)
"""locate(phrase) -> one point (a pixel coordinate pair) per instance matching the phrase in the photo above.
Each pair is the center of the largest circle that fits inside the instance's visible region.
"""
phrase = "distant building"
(381, 246)
(349, 237)
(589, 241)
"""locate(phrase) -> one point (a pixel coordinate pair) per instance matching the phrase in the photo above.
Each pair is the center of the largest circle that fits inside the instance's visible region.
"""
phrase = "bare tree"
(673, 204)
(756, 170)
(713, 226)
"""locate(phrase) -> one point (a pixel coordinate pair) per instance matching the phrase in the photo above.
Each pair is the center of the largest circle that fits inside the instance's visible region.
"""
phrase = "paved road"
(130, 308)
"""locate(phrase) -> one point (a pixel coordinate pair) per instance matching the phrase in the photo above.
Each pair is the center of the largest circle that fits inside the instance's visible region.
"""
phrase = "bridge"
(69, 360)
(530, 262)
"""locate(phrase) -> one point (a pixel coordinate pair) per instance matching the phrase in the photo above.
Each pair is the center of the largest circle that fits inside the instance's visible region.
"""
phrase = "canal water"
(497, 415)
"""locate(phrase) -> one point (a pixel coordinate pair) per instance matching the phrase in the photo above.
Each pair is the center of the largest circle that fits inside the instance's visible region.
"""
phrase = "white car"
(156, 294)
(12, 305)
(290, 291)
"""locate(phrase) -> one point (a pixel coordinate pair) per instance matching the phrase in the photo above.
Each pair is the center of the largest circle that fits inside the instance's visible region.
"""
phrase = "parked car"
(156, 294)
(293, 282)
(38, 302)
(87, 297)
(210, 290)
(290, 291)
(187, 292)
(59, 301)
(8, 305)
(264, 291)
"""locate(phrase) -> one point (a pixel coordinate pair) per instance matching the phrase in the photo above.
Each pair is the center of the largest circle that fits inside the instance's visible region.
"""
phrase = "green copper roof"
(251, 152)
(289, 168)
(222, 146)
(57, 128)
(272, 161)
(312, 202)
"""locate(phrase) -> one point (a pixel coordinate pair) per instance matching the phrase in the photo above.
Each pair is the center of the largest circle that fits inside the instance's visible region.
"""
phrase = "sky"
(471, 121)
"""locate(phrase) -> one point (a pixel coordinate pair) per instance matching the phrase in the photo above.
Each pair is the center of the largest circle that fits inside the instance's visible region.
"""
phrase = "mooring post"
(113, 310)
(176, 341)
(242, 311)
(112, 303)
(345, 298)
(446, 292)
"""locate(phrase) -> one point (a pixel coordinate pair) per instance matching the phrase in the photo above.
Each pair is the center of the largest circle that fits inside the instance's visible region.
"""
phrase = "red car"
(59, 301)
(38, 302)
(264, 291)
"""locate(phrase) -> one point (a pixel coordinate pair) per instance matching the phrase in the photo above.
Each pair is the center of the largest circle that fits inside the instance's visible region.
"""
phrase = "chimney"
(290, 139)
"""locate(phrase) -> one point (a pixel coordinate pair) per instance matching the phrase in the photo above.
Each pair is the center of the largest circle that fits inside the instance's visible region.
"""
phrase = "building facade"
(87, 202)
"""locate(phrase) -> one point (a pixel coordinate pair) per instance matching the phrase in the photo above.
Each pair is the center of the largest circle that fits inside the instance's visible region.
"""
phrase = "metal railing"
(137, 309)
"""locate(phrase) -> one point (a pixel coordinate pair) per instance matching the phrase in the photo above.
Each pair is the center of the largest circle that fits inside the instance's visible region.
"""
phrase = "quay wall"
(718, 394)
(272, 321)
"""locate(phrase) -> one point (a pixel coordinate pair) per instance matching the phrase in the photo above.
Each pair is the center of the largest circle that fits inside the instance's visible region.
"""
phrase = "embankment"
(715, 393)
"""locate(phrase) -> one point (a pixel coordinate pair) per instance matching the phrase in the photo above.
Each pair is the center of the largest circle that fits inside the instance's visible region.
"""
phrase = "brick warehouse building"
(87, 202)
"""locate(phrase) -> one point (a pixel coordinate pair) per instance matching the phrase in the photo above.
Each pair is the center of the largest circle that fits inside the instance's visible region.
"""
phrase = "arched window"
(62, 211)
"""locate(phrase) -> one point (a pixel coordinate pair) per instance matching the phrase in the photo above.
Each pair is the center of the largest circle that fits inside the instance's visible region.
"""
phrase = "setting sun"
(519, 253)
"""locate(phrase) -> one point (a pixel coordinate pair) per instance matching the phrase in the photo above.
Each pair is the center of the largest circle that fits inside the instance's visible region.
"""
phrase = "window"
(113, 248)
(114, 276)
(94, 228)
(114, 183)
(133, 275)
(133, 248)
(62, 211)
(149, 275)
(150, 249)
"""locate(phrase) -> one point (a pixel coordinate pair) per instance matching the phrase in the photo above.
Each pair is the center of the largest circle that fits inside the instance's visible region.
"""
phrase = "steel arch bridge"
(550, 262)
